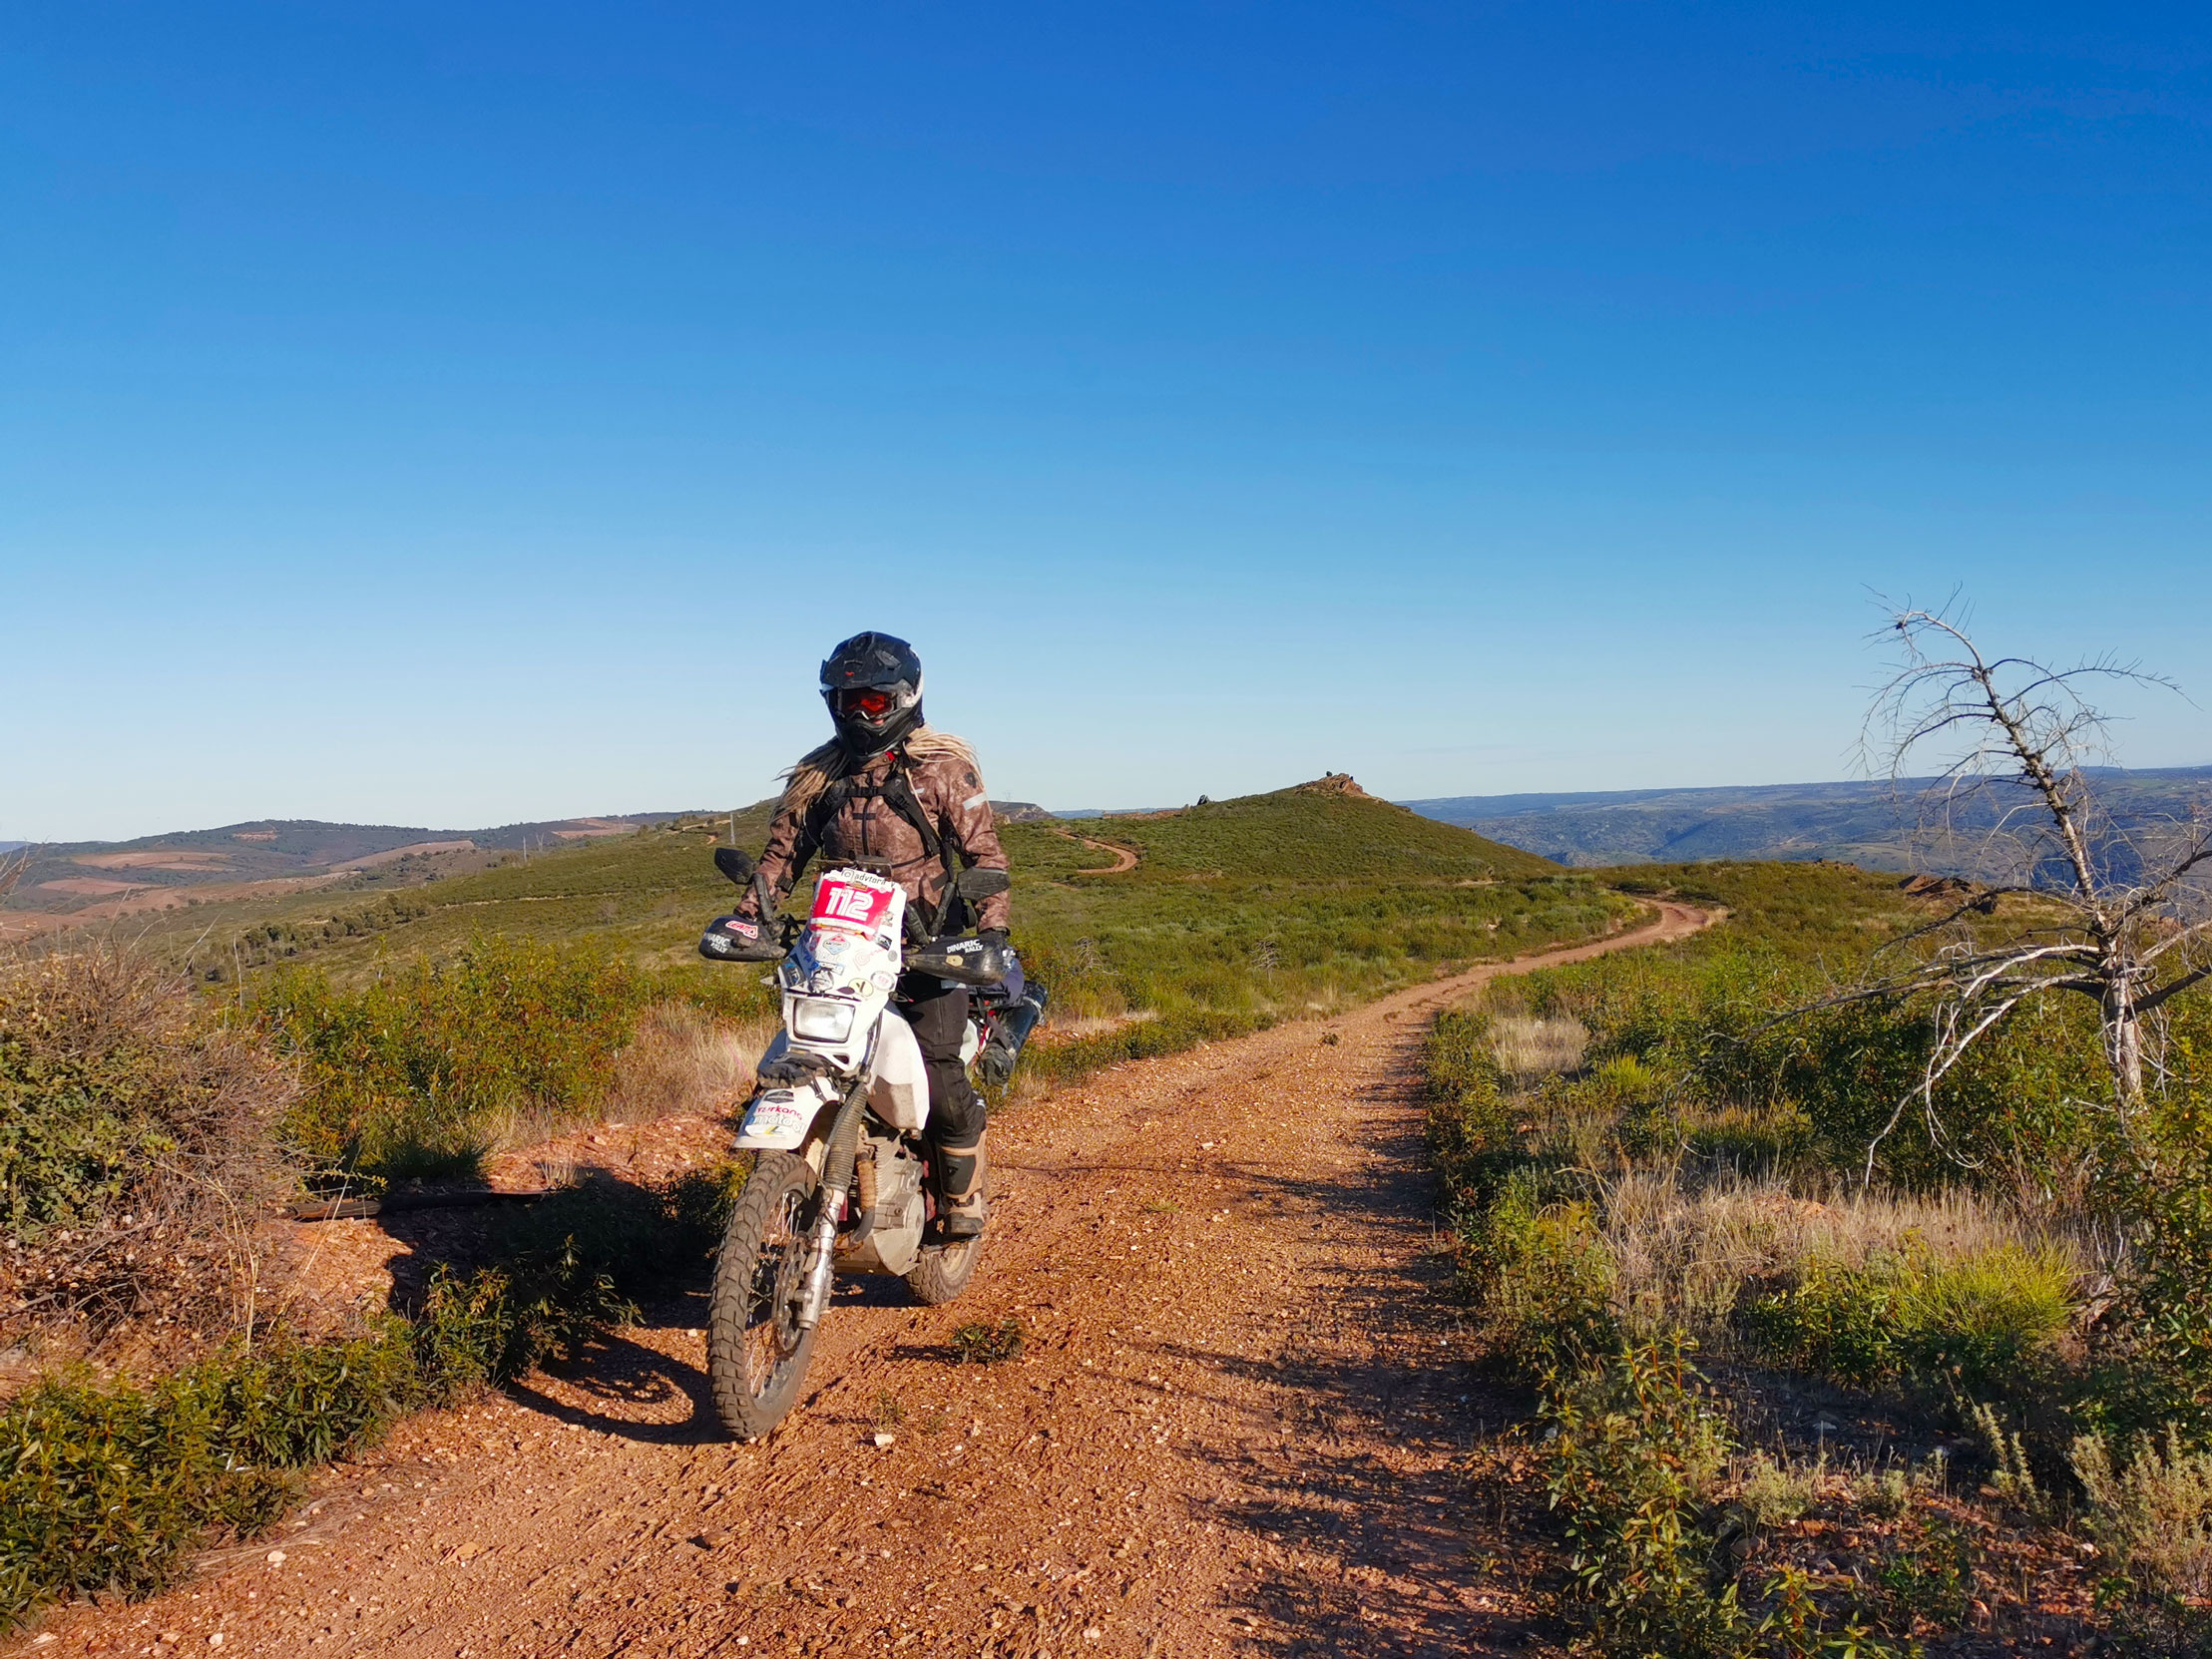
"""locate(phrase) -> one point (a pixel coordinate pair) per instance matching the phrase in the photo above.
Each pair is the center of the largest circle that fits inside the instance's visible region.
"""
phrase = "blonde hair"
(817, 769)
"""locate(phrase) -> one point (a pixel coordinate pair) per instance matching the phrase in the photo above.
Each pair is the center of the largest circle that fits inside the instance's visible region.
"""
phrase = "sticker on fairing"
(775, 1122)
(845, 904)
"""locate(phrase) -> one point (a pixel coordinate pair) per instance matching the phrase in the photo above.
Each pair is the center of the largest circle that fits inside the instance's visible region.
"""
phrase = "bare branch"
(2166, 993)
(2003, 745)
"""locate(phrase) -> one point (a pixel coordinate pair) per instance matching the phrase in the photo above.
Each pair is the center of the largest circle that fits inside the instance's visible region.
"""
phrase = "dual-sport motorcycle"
(841, 1181)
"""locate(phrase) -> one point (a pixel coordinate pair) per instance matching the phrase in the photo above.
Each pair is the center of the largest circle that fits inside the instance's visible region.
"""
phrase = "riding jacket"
(917, 813)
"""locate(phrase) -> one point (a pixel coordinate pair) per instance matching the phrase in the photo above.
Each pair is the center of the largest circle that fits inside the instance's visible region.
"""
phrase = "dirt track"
(1234, 1429)
(1125, 858)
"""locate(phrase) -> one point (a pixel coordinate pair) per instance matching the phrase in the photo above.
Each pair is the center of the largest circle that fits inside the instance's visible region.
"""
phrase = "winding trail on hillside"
(1235, 1428)
(1125, 858)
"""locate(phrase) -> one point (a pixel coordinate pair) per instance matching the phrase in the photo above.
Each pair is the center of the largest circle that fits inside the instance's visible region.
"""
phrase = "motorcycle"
(841, 1181)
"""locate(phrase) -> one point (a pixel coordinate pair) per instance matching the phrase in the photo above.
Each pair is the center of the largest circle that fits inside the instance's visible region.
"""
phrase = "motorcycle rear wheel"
(756, 1351)
(944, 1271)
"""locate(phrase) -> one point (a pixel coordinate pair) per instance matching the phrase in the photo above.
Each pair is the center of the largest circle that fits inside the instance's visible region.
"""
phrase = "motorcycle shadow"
(627, 1388)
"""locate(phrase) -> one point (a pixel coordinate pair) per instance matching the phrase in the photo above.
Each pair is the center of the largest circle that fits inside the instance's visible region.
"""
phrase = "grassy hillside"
(1306, 834)
(98, 882)
(443, 1018)
(1301, 879)
(1279, 902)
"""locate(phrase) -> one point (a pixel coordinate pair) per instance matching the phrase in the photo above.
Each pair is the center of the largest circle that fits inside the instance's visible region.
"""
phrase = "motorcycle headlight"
(821, 1019)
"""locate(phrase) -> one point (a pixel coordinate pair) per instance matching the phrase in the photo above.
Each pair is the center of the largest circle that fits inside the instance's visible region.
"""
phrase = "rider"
(891, 794)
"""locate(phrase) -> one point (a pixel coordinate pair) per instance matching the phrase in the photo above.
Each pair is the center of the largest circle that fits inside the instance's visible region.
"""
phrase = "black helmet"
(873, 685)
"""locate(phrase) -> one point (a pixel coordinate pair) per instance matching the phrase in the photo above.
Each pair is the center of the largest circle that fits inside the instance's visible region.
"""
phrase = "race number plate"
(841, 903)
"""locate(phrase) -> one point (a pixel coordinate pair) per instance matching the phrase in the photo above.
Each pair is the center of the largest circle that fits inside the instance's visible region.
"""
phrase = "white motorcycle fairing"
(838, 983)
(898, 1090)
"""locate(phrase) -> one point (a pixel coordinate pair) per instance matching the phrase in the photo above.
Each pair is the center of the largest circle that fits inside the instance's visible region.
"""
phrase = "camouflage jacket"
(855, 818)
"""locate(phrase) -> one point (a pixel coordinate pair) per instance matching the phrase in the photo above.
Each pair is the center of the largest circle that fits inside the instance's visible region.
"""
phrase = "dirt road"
(1125, 858)
(1234, 1426)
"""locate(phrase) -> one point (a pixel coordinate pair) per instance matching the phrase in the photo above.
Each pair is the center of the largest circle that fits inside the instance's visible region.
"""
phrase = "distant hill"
(91, 880)
(1875, 825)
(1319, 831)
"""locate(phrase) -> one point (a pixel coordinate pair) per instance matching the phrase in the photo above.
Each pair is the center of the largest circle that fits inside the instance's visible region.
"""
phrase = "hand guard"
(741, 938)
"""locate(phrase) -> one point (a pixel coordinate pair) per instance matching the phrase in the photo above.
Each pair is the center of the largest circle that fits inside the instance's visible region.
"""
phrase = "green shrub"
(109, 1068)
(1542, 1277)
(1781, 1492)
(2152, 1514)
(1473, 1139)
(418, 1072)
(989, 1341)
(134, 1129)
(1710, 1015)
(1975, 1323)
(105, 1486)
(1631, 1457)
(2160, 1335)
(1929, 1581)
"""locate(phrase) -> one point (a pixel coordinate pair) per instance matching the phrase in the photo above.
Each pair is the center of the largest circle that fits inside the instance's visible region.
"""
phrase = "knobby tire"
(756, 1355)
(944, 1271)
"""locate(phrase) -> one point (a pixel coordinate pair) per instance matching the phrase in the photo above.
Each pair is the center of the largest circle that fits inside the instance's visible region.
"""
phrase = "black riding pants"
(939, 1016)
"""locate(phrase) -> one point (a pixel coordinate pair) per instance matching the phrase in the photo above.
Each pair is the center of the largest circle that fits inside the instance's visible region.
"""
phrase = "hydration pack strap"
(898, 794)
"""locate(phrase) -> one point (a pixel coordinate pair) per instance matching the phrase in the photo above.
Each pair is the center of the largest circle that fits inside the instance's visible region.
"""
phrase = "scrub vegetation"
(106, 1484)
(1781, 1406)
(436, 1026)
(159, 1099)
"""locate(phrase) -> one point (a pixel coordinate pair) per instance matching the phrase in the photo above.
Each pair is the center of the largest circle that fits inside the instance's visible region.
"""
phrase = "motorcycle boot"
(962, 1174)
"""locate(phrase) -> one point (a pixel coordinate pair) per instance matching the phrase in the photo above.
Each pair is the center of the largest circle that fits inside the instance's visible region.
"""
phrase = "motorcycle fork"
(822, 1264)
(838, 1177)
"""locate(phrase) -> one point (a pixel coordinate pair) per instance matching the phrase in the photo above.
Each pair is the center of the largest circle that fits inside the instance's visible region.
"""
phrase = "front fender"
(789, 1118)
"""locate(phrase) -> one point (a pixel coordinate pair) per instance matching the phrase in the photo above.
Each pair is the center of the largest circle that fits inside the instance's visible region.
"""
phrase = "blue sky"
(455, 415)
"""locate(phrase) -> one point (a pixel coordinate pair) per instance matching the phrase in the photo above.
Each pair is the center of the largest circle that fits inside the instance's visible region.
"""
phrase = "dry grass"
(1686, 1253)
(137, 1152)
(682, 1063)
(1057, 1029)
(685, 1062)
(1527, 1046)
(2152, 1514)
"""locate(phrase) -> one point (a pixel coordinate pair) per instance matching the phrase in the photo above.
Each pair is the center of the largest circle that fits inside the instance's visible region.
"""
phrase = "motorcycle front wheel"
(757, 1350)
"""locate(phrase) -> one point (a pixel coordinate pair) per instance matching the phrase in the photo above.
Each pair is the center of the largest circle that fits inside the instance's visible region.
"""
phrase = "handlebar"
(968, 961)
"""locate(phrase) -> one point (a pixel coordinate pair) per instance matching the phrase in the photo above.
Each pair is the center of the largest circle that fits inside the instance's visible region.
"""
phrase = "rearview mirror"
(982, 884)
(736, 863)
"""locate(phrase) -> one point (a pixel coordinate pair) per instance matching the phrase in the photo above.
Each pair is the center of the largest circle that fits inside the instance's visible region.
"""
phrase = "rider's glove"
(995, 937)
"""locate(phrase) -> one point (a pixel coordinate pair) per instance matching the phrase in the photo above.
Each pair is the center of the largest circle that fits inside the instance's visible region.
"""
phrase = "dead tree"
(2117, 913)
